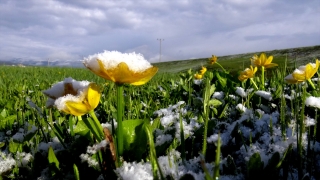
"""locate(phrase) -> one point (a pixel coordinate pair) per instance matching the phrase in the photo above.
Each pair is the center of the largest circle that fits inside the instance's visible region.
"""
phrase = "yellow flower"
(73, 97)
(290, 79)
(213, 59)
(121, 68)
(198, 76)
(203, 70)
(306, 72)
(303, 73)
(247, 73)
(263, 61)
(87, 102)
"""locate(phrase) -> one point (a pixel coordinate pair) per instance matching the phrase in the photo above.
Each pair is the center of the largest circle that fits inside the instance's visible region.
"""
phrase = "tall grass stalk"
(206, 99)
(183, 151)
(301, 131)
(120, 111)
(217, 160)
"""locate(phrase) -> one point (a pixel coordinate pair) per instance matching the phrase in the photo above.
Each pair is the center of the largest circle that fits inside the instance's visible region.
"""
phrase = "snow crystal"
(241, 107)
(213, 138)
(18, 137)
(197, 81)
(236, 98)
(96, 147)
(266, 95)
(6, 163)
(135, 171)
(163, 138)
(109, 126)
(171, 114)
(55, 144)
(23, 158)
(240, 91)
(218, 95)
(309, 121)
(91, 162)
(188, 129)
(313, 101)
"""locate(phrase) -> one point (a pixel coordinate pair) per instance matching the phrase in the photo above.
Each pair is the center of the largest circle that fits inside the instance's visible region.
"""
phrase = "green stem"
(71, 120)
(217, 160)
(221, 67)
(91, 127)
(315, 128)
(254, 84)
(183, 151)
(119, 130)
(262, 77)
(311, 83)
(206, 100)
(153, 155)
(97, 124)
(301, 130)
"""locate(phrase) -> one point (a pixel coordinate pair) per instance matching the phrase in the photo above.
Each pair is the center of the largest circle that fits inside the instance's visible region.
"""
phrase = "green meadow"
(175, 126)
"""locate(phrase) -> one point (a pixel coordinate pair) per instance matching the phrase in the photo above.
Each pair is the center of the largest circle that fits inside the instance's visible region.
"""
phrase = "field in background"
(238, 62)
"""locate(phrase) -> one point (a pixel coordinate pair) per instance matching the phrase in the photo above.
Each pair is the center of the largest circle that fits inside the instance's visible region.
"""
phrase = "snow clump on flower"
(111, 59)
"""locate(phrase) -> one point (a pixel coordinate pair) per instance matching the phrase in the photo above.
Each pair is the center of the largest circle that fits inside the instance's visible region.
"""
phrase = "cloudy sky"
(68, 30)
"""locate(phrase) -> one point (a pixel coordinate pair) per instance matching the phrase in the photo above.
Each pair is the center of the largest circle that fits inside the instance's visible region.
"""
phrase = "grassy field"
(174, 127)
(237, 62)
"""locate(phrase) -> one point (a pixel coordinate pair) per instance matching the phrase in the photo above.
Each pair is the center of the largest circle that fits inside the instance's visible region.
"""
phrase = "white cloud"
(191, 28)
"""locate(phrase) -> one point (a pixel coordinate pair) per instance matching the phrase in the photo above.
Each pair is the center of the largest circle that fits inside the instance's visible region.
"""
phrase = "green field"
(174, 126)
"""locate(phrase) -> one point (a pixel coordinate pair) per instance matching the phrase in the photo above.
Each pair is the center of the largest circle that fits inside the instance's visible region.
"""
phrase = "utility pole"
(160, 48)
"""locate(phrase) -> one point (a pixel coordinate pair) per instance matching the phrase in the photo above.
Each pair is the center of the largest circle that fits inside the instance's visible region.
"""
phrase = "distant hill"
(294, 56)
(29, 62)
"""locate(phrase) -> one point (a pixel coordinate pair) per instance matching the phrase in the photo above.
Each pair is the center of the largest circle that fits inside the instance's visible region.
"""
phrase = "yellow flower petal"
(198, 76)
(77, 108)
(247, 73)
(213, 59)
(203, 70)
(307, 72)
(262, 60)
(93, 95)
(122, 74)
(290, 79)
(269, 60)
(270, 65)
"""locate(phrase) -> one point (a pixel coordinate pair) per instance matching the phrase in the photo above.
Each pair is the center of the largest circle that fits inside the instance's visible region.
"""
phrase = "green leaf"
(29, 136)
(255, 166)
(214, 102)
(7, 121)
(283, 159)
(81, 126)
(135, 140)
(2, 144)
(76, 172)
(212, 89)
(53, 162)
(221, 80)
(3, 113)
(156, 124)
(15, 147)
(230, 167)
(271, 171)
